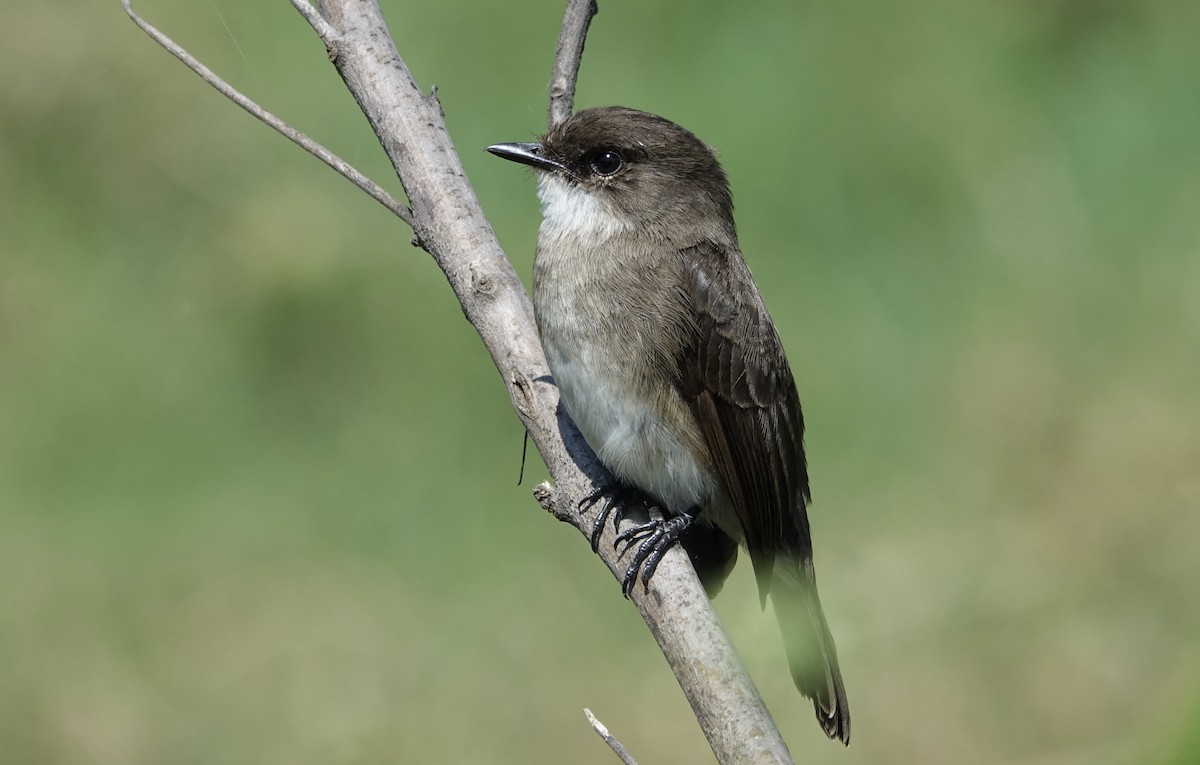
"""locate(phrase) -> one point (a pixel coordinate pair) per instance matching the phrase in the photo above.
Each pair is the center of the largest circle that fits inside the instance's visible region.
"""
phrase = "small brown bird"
(671, 368)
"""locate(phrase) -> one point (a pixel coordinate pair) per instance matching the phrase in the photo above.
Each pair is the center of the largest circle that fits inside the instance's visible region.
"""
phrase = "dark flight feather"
(735, 378)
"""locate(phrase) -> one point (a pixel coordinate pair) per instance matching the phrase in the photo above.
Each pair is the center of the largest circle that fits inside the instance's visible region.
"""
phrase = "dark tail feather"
(810, 650)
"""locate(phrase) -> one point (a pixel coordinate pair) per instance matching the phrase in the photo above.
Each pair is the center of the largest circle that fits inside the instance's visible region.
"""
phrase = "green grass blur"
(257, 475)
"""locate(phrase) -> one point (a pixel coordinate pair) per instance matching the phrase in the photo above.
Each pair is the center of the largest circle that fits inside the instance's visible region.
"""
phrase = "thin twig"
(323, 28)
(449, 223)
(300, 139)
(613, 742)
(568, 54)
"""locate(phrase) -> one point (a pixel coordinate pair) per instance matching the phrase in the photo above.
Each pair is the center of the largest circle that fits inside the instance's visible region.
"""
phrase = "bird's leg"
(618, 500)
(656, 536)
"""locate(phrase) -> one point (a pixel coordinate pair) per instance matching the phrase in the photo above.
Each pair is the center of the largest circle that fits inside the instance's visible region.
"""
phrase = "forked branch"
(300, 139)
(449, 224)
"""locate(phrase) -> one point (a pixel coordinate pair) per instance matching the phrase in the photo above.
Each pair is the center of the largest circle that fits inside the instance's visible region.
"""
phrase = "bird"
(669, 364)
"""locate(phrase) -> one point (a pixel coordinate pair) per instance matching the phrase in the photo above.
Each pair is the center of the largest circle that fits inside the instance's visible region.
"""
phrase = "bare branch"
(449, 223)
(567, 55)
(300, 139)
(613, 742)
(322, 27)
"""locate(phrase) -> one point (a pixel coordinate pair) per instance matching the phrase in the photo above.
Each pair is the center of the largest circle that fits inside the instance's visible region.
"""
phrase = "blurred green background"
(258, 496)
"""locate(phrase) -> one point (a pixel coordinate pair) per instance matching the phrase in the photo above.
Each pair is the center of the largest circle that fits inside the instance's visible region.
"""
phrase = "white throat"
(568, 210)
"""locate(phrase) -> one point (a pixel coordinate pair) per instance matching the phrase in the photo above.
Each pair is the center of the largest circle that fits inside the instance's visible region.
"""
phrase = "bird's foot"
(656, 536)
(618, 499)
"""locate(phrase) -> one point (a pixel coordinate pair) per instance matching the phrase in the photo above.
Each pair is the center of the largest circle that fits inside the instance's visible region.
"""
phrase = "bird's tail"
(810, 650)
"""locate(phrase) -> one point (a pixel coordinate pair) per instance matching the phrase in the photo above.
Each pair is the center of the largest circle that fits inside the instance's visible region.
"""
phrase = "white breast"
(622, 414)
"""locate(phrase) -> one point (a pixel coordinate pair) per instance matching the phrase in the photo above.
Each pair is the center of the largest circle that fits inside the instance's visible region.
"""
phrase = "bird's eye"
(607, 162)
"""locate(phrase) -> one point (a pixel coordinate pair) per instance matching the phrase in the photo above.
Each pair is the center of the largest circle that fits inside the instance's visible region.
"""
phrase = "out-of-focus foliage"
(257, 475)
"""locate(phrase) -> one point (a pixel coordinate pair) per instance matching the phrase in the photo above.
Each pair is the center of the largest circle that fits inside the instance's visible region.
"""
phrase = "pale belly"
(632, 426)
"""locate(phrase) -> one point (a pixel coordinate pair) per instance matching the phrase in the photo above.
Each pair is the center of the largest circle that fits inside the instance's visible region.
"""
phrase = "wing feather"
(736, 380)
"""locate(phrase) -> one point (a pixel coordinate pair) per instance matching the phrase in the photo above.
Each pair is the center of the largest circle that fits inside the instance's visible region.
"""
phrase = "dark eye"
(606, 162)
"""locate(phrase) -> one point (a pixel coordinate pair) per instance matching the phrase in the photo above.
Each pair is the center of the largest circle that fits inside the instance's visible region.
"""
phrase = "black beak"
(532, 154)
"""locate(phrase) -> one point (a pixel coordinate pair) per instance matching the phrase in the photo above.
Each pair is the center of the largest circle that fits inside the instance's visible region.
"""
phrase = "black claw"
(587, 503)
(594, 538)
(616, 501)
(656, 536)
(653, 538)
(591, 499)
(634, 534)
(630, 579)
(674, 529)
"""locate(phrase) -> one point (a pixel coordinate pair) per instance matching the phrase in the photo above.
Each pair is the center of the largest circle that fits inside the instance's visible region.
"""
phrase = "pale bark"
(448, 223)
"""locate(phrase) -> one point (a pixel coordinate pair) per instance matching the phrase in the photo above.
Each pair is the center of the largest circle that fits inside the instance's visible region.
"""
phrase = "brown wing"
(735, 377)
